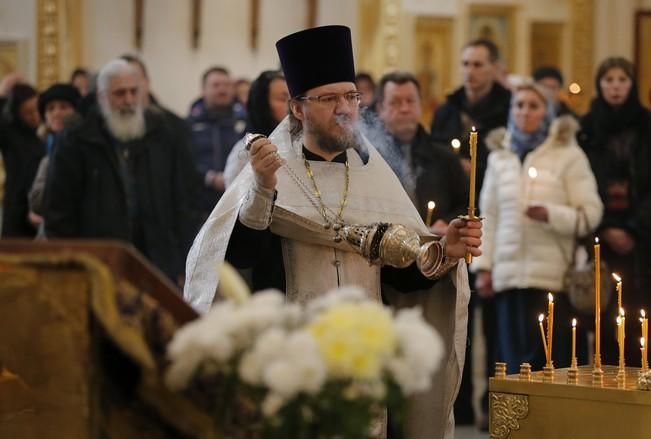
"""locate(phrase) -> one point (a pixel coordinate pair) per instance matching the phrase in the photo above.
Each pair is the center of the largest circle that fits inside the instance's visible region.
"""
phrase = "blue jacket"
(213, 137)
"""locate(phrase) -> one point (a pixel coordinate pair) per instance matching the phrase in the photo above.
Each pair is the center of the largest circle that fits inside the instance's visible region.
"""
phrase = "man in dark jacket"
(217, 123)
(481, 102)
(428, 172)
(121, 175)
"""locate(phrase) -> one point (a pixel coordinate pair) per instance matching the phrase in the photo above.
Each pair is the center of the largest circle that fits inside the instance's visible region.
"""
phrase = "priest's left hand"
(462, 237)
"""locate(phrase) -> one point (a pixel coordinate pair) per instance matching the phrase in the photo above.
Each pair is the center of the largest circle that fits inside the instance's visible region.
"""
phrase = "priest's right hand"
(265, 161)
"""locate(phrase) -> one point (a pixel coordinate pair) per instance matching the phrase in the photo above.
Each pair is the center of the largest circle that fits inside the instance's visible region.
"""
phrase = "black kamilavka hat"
(317, 56)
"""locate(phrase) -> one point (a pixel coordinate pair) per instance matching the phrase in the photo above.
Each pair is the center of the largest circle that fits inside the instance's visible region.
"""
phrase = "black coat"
(488, 113)
(22, 151)
(592, 139)
(439, 178)
(87, 195)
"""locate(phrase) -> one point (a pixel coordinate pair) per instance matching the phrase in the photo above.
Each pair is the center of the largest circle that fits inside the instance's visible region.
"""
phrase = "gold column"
(391, 30)
(582, 14)
(59, 39)
(47, 28)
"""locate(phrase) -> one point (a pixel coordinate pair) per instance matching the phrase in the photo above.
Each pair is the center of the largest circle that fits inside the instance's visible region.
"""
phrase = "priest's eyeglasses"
(352, 98)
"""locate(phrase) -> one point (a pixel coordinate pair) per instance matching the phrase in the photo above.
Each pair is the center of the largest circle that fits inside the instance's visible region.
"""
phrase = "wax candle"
(541, 317)
(574, 365)
(430, 210)
(597, 312)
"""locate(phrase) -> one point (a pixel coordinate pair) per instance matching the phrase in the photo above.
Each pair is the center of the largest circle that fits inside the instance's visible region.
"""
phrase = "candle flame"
(643, 313)
(533, 172)
(473, 129)
(596, 240)
(642, 341)
(550, 297)
(431, 205)
(541, 317)
(621, 312)
(616, 277)
(573, 323)
(456, 144)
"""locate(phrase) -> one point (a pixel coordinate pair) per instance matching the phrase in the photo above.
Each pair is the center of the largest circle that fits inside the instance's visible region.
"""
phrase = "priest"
(285, 215)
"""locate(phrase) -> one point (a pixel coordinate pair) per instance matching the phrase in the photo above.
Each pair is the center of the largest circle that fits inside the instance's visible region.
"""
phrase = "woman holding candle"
(529, 228)
(616, 137)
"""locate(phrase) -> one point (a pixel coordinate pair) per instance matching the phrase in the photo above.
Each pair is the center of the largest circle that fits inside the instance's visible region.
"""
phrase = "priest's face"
(329, 114)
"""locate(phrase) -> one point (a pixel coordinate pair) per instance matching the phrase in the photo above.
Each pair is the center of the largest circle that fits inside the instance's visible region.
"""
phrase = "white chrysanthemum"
(335, 297)
(271, 404)
(266, 349)
(303, 351)
(419, 353)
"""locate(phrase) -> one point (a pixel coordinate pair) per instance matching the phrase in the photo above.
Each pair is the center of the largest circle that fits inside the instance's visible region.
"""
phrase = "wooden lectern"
(83, 330)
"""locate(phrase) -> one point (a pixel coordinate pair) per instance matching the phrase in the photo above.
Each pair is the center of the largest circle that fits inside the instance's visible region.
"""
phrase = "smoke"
(372, 127)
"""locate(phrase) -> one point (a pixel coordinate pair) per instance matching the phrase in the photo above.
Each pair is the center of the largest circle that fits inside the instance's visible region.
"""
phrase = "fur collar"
(562, 132)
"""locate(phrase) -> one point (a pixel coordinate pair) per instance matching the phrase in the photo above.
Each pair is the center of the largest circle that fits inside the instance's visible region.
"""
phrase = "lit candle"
(645, 365)
(456, 146)
(574, 365)
(550, 324)
(645, 336)
(597, 311)
(430, 210)
(473, 171)
(645, 325)
(621, 336)
(619, 289)
(541, 317)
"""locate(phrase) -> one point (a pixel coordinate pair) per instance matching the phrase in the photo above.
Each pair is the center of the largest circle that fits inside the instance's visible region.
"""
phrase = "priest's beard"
(124, 124)
(339, 138)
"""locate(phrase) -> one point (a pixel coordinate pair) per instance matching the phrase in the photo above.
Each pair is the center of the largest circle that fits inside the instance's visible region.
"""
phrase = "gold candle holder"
(548, 373)
(525, 372)
(597, 377)
(500, 370)
(573, 375)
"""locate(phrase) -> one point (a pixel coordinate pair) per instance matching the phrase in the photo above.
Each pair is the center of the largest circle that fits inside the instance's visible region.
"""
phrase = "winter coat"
(489, 113)
(213, 138)
(22, 151)
(87, 196)
(522, 252)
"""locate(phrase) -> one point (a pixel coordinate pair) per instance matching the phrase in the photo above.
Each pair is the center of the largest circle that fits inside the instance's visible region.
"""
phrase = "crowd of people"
(101, 157)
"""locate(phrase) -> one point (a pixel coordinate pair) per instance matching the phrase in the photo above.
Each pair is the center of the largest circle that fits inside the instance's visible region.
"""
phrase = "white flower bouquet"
(322, 371)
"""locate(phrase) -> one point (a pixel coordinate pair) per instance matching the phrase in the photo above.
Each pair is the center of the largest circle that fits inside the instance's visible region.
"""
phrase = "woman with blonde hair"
(538, 187)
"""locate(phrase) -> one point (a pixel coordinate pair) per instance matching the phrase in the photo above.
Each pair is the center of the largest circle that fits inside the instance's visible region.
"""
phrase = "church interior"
(102, 220)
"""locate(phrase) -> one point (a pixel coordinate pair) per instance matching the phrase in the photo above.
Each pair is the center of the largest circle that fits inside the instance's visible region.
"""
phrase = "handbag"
(578, 280)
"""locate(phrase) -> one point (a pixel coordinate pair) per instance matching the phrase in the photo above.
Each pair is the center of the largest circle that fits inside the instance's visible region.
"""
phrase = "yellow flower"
(355, 339)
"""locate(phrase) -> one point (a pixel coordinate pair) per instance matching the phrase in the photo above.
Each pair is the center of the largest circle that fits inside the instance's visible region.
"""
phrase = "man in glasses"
(316, 174)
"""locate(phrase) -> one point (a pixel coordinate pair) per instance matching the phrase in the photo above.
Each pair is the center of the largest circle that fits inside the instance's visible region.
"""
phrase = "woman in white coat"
(537, 182)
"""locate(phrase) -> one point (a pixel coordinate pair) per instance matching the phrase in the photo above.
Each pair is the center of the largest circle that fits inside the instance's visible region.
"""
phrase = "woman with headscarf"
(22, 151)
(536, 183)
(616, 136)
(265, 108)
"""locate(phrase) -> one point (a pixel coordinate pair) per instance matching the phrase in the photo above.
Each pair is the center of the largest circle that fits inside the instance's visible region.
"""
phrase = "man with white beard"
(119, 175)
